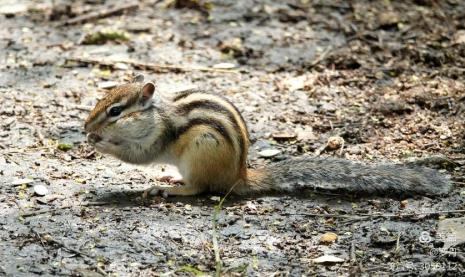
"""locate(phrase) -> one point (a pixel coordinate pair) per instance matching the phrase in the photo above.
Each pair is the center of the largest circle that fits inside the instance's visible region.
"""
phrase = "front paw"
(171, 180)
(156, 190)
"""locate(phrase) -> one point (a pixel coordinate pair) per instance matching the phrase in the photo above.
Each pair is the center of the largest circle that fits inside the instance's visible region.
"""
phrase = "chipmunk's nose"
(93, 138)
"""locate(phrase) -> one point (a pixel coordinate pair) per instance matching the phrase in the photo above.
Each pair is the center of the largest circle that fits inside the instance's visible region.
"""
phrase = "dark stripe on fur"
(214, 106)
(240, 115)
(169, 135)
(216, 125)
(185, 93)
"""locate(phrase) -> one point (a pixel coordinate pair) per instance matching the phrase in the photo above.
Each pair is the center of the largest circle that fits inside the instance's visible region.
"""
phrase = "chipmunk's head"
(125, 119)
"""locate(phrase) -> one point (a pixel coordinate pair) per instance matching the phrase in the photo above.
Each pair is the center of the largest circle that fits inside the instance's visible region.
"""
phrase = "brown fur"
(207, 139)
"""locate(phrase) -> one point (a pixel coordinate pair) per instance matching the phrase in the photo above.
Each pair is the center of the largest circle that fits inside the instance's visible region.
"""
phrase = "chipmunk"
(206, 137)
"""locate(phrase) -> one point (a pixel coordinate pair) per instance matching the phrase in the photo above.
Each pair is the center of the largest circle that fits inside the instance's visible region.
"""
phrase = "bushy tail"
(330, 174)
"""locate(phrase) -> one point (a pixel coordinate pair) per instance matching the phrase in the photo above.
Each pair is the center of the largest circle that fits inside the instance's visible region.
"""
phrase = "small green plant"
(103, 36)
(216, 250)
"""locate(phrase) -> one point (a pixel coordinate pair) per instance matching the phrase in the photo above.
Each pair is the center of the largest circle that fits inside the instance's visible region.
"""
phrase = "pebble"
(334, 143)
(224, 66)
(107, 85)
(268, 153)
(40, 190)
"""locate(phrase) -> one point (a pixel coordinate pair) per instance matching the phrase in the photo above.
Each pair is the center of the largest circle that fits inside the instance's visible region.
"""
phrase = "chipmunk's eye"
(115, 111)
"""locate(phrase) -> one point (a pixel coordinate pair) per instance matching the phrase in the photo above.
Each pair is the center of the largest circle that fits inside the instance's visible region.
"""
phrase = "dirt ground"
(386, 76)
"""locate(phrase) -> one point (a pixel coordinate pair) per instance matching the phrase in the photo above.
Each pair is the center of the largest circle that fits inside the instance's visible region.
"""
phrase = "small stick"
(80, 107)
(44, 211)
(321, 57)
(158, 68)
(397, 244)
(86, 256)
(49, 238)
(101, 271)
(353, 258)
(364, 215)
(216, 250)
(106, 12)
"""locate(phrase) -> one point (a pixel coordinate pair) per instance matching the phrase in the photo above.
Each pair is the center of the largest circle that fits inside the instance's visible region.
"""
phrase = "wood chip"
(284, 136)
(224, 66)
(327, 259)
(22, 182)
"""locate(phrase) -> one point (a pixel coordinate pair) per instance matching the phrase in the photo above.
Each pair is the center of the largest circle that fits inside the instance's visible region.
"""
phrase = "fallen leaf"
(328, 237)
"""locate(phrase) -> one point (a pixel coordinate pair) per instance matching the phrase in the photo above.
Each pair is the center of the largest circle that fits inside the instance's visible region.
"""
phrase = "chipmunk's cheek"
(104, 146)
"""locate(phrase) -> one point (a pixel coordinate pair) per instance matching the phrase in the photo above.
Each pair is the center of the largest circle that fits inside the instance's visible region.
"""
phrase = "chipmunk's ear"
(139, 78)
(147, 91)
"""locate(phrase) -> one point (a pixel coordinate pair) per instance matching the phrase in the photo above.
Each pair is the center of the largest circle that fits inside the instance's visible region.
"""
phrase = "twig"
(321, 57)
(86, 256)
(49, 238)
(101, 271)
(158, 68)
(105, 12)
(218, 264)
(44, 211)
(396, 251)
(342, 148)
(364, 215)
(353, 258)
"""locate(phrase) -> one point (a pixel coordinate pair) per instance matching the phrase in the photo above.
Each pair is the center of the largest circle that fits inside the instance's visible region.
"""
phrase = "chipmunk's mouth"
(93, 138)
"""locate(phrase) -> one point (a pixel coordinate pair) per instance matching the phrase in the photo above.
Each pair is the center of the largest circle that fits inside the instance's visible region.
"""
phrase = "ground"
(386, 76)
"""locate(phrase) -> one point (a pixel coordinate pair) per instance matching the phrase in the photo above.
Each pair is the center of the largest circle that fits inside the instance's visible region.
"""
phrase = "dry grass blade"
(105, 12)
(216, 250)
(158, 68)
